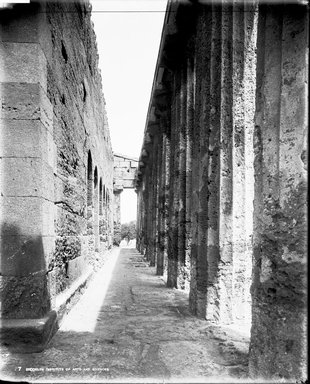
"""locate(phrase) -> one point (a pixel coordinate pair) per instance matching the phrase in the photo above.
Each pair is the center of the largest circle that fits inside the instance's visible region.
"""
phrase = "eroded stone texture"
(278, 288)
(161, 201)
(212, 177)
(217, 156)
(55, 153)
(154, 212)
(117, 216)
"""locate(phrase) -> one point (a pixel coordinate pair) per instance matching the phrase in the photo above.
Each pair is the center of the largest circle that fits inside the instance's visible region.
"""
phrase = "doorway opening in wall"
(128, 218)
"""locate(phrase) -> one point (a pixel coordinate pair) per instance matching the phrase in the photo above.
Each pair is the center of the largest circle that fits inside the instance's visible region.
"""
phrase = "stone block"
(26, 101)
(26, 177)
(23, 255)
(59, 187)
(24, 297)
(76, 267)
(26, 139)
(22, 63)
(67, 222)
(30, 216)
(121, 166)
(20, 25)
(28, 335)
(49, 245)
(48, 131)
(128, 183)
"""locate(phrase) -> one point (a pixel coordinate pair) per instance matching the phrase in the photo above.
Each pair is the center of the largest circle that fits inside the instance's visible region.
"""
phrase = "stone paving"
(128, 327)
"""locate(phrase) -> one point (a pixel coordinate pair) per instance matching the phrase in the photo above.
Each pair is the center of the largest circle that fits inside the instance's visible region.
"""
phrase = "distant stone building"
(125, 168)
(56, 161)
(222, 173)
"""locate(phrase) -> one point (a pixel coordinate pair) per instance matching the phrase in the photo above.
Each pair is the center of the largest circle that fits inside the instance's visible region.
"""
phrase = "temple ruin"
(223, 168)
(221, 179)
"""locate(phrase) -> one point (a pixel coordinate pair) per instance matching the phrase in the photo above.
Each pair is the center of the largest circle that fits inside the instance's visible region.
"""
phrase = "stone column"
(174, 190)
(161, 206)
(96, 212)
(101, 218)
(150, 203)
(141, 216)
(213, 174)
(250, 17)
(244, 60)
(199, 267)
(226, 172)
(166, 198)
(27, 166)
(138, 220)
(117, 215)
(195, 197)
(278, 335)
(182, 272)
(189, 104)
(146, 217)
(104, 219)
(154, 203)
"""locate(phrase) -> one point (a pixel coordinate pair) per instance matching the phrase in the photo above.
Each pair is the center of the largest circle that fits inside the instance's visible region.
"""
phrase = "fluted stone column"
(117, 216)
(161, 207)
(182, 272)
(166, 201)
(213, 173)
(189, 124)
(226, 172)
(153, 242)
(199, 268)
(174, 201)
(278, 337)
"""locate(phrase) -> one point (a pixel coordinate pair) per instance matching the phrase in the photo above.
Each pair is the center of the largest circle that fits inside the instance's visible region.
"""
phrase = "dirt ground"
(128, 327)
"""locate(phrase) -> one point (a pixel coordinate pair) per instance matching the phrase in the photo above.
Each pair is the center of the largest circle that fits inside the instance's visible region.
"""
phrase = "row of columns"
(200, 168)
(222, 181)
(99, 212)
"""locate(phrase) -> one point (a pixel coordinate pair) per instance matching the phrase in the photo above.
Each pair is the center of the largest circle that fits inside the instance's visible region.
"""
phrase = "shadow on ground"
(138, 329)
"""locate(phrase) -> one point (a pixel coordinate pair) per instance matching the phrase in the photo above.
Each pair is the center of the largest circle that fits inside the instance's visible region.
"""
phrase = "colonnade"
(221, 179)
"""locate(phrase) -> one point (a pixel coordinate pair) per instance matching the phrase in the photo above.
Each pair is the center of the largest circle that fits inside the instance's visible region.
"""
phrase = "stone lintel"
(117, 189)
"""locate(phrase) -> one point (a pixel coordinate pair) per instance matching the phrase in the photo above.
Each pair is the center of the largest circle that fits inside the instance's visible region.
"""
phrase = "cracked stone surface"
(128, 326)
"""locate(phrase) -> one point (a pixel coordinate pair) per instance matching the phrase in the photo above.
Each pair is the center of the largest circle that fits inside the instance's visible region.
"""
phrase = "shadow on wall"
(96, 329)
(24, 292)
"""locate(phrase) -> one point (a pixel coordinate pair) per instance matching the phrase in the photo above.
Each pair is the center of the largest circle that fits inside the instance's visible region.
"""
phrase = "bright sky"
(128, 37)
(128, 44)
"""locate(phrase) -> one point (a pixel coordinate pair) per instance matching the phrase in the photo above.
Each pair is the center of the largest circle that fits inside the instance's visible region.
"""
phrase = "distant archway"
(89, 194)
(96, 210)
(124, 178)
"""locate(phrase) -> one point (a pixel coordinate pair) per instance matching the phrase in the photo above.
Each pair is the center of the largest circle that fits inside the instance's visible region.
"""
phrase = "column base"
(28, 335)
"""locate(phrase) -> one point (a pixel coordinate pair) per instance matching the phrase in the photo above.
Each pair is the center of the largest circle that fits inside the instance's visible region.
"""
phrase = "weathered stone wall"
(56, 157)
(226, 127)
(80, 132)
